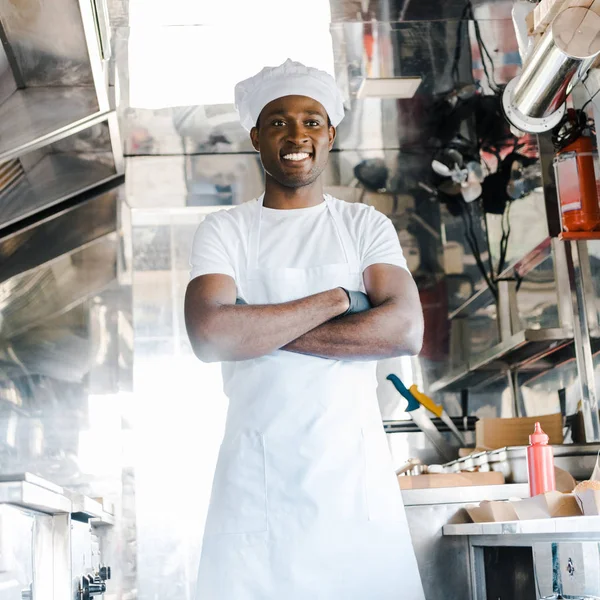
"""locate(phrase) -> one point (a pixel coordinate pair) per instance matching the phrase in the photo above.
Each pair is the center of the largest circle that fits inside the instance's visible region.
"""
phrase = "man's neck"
(285, 198)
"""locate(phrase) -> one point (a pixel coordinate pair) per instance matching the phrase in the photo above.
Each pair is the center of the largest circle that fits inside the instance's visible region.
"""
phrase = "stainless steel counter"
(34, 497)
(565, 525)
(49, 537)
(443, 557)
(541, 558)
(462, 495)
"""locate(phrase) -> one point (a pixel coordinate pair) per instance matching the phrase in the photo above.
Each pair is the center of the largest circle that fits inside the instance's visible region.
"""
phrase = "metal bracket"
(563, 288)
(579, 271)
(459, 342)
(508, 311)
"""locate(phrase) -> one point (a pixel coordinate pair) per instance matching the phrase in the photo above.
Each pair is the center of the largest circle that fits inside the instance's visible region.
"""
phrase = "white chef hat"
(289, 79)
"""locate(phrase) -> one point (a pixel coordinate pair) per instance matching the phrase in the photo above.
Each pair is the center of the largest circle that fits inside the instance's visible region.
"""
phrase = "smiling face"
(294, 139)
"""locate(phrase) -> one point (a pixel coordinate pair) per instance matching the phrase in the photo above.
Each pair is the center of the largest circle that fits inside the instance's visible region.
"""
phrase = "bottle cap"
(538, 436)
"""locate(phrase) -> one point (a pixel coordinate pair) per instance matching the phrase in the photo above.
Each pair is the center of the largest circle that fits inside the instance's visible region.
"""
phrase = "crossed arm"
(220, 330)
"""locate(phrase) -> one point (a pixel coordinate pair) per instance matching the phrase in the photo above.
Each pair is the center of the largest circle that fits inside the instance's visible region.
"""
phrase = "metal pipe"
(561, 59)
(556, 64)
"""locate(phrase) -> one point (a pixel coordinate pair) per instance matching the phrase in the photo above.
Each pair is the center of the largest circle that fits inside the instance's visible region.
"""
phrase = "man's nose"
(297, 133)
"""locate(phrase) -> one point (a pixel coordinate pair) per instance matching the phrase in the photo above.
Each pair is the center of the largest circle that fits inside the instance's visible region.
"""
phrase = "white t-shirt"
(297, 238)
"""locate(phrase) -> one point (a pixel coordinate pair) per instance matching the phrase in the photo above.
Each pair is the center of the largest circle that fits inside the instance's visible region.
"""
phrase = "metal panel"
(65, 353)
(34, 117)
(419, 48)
(440, 559)
(16, 553)
(33, 480)
(444, 562)
(31, 299)
(118, 11)
(43, 563)
(33, 497)
(8, 84)
(407, 10)
(94, 32)
(62, 170)
(81, 555)
(116, 143)
(222, 180)
(579, 568)
(53, 180)
(463, 495)
(61, 553)
(580, 289)
(47, 40)
(58, 235)
(52, 560)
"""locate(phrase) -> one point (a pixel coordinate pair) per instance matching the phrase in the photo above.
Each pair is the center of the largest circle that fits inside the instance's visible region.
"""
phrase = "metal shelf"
(57, 177)
(463, 424)
(35, 117)
(483, 297)
(523, 350)
(59, 233)
(33, 496)
(47, 297)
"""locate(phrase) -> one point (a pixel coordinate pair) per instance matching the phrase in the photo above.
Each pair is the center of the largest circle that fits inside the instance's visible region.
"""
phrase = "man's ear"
(254, 138)
(332, 133)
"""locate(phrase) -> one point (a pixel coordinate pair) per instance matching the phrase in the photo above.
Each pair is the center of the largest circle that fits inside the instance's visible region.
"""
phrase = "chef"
(298, 294)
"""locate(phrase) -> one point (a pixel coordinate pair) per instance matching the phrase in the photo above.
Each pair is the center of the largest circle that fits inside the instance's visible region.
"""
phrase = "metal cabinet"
(59, 133)
(49, 549)
(543, 559)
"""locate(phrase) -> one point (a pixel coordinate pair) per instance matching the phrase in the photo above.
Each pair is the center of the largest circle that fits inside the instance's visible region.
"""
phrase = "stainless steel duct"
(535, 101)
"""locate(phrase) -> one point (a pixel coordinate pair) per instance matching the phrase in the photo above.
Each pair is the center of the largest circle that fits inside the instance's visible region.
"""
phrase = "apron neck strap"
(254, 236)
(350, 251)
(348, 246)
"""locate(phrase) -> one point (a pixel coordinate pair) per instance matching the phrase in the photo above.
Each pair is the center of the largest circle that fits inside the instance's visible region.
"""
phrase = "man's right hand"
(358, 302)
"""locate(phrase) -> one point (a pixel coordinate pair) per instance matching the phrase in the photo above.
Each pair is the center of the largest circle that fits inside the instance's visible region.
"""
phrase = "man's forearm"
(232, 332)
(382, 332)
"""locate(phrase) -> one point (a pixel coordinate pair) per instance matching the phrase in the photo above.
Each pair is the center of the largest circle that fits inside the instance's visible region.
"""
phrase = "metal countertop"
(461, 495)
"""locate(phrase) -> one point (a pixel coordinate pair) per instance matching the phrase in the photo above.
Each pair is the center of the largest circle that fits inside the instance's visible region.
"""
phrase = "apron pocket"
(238, 502)
(384, 499)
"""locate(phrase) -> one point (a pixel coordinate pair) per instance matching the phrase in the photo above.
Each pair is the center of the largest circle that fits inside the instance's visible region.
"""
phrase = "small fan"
(462, 176)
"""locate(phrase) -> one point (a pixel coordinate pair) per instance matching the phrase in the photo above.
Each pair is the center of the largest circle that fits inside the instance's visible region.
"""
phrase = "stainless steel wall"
(47, 42)
(66, 349)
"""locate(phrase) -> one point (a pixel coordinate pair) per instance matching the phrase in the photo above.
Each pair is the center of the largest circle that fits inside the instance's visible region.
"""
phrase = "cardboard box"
(589, 502)
(462, 452)
(444, 480)
(499, 433)
(546, 506)
(565, 482)
(492, 512)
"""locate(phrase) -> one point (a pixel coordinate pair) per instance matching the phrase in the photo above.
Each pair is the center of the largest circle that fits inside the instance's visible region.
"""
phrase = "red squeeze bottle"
(540, 463)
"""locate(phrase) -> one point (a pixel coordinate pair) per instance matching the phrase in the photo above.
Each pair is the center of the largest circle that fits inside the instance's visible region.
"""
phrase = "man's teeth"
(296, 156)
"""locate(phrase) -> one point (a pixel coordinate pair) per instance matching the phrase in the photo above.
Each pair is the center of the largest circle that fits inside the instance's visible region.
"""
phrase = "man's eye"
(313, 123)
(278, 123)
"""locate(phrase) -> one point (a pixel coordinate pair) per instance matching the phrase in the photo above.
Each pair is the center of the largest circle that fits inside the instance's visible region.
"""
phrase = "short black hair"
(258, 122)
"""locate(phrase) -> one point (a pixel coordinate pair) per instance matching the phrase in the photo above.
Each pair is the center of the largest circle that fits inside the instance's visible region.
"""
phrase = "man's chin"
(297, 182)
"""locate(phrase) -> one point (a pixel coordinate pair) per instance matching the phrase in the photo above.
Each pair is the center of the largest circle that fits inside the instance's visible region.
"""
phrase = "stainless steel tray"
(577, 459)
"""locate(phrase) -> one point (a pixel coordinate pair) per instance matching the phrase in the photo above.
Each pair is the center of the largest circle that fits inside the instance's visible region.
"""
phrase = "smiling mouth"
(296, 156)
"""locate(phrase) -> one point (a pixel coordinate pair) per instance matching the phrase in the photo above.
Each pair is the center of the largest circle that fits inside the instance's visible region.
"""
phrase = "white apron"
(305, 503)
